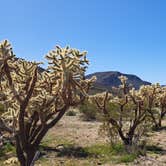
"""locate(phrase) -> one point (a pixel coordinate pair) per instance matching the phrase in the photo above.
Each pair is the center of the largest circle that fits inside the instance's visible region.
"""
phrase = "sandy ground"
(80, 132)
(86, 133)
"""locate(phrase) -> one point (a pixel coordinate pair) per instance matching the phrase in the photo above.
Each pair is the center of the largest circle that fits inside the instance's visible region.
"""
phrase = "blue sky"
(121, 35)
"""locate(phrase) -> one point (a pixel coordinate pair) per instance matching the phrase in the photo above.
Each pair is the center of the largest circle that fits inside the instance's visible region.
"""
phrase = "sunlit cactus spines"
(130, 112)
(155, 98)
(35, 101)
(11, 161)
(124, 114)
(6, 51)
(123, 79)
(70, 65)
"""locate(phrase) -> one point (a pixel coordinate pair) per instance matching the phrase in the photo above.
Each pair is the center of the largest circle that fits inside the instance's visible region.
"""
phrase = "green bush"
(71, 113)
(6, 149)
(89, 111)
(106, 153)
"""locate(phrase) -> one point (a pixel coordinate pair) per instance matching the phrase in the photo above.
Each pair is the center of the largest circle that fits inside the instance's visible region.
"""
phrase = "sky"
(120, 35)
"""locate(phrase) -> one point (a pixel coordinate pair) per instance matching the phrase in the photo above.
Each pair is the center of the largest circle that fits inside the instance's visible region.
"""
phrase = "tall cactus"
(36, 101)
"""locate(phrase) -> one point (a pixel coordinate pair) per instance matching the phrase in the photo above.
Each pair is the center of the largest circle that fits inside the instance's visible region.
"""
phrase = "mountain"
(107, 80)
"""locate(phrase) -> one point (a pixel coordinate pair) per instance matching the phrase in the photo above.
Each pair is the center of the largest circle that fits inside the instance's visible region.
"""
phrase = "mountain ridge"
(108, 79)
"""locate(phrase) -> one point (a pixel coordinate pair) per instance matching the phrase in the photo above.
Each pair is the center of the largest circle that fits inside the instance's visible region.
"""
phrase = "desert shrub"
(89, 111)
(8, 147)
(71, 113)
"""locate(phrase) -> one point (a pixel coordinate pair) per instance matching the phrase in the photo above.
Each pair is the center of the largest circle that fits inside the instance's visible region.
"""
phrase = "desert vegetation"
(32, 104)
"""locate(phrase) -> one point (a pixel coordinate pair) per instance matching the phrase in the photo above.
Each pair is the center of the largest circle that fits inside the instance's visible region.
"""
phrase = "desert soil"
(83, 133)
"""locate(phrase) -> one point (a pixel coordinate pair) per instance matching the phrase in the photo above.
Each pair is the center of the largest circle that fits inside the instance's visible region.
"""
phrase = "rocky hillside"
(107, 80)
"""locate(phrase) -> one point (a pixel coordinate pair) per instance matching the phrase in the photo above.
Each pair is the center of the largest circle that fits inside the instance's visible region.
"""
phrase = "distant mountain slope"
(107, 80)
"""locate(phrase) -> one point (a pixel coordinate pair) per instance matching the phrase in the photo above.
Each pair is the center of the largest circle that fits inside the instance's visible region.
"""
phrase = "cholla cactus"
(35, 101)
(124, 113)
(123, 79)
(129, 111)
(162, 106)
(11, 161)
(155, 97)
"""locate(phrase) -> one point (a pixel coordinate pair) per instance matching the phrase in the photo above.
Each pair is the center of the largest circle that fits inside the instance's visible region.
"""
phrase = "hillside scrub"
(35, 101)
